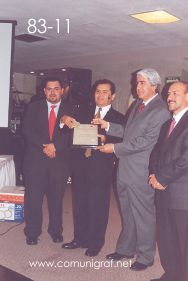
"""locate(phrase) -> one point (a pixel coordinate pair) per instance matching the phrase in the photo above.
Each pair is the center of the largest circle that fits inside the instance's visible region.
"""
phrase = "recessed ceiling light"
(63, 69)
(29, 38)
(155, 17)
(32, 72)
(41, 73)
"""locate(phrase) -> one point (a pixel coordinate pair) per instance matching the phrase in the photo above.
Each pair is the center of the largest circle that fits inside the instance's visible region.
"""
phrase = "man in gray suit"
(135, 195)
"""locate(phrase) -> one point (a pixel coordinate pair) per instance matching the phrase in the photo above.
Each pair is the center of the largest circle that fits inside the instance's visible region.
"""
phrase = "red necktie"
(52, 121)
(141, 107)
(172, 125)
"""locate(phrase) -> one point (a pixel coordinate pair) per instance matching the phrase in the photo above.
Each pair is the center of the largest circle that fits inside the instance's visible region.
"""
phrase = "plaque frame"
(85, 145)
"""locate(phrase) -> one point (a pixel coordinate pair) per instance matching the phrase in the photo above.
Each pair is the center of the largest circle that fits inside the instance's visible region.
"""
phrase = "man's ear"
(154, 88)
(113, 96)
(186, 96)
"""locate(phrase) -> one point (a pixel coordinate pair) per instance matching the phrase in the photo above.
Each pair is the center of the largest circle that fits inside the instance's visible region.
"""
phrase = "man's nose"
(52, 90)
(169, 97)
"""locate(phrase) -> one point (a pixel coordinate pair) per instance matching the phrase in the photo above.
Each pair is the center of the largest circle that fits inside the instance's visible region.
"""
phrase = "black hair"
(104, 81)
(51, 79)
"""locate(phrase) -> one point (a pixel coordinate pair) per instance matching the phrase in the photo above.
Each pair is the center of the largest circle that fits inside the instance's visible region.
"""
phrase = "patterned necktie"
(52, 121)
(141, 107)
(172, 125)
(98, 114)
(88, 151)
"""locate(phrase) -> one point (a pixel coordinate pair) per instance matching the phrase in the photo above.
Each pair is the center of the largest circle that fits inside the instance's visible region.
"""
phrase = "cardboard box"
(12, 203)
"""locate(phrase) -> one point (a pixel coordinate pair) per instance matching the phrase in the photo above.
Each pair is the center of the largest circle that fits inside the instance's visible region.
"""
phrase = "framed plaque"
(85, 135)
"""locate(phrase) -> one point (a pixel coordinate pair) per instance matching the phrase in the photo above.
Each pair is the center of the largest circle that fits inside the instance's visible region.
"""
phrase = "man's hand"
(107, 148)
(98, 121)
(154, 183)
(69, 121)
(102, 137)
(50, 150)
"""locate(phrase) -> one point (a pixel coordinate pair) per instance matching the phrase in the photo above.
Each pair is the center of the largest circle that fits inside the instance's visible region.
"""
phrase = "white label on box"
(7, 211)
(11, 211)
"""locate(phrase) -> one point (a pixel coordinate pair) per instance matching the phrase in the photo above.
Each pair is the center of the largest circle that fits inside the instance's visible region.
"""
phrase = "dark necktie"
(88, 151)
(52, 121)
(141, 107)
(171, 128)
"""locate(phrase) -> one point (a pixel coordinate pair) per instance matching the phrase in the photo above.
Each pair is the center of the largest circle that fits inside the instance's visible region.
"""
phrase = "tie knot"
(53, 106)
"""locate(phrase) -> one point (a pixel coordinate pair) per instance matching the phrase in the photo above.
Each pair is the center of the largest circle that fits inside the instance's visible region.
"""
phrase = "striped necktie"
(171, 128)
(88, 151)
(98, 114)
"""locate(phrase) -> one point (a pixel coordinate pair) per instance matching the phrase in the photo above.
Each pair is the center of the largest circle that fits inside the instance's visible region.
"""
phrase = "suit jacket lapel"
(178, 128)
(92, 113)
(133, 112)
(167, 142)
(108, 114)
(59, 114)
(136, 115)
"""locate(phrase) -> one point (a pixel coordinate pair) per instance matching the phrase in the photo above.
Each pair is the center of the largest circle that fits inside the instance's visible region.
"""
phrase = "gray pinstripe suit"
(135, 195)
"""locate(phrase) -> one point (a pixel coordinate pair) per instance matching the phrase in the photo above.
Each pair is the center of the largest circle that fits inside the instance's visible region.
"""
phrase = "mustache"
(170, 101)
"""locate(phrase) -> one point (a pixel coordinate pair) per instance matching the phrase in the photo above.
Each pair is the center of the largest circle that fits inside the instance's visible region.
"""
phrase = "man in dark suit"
(92, 174)
(169, 176)
(135, 195)
(46, 164)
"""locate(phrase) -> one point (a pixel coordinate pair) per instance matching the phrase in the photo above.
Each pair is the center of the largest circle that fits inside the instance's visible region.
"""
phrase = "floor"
(47, 261)
(10, 275)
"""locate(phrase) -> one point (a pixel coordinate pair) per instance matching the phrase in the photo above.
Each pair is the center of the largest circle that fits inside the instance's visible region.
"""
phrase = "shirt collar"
(178, 116)
(146, 102)
(49, 104)
(103, 111)
(104, 108)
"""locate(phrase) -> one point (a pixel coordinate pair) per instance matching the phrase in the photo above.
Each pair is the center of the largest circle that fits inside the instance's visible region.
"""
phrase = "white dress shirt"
(103, 111)
(178, 116)
(49, 104)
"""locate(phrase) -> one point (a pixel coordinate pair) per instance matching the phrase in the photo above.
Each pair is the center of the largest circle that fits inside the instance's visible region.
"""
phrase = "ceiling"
(96, 27)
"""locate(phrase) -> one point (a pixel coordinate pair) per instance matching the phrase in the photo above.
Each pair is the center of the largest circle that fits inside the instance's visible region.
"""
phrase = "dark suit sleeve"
(176, 168)
(116, 130)
(119, 119)
(29, 128)
(68, 109)
(62, 143)
(156, 152)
